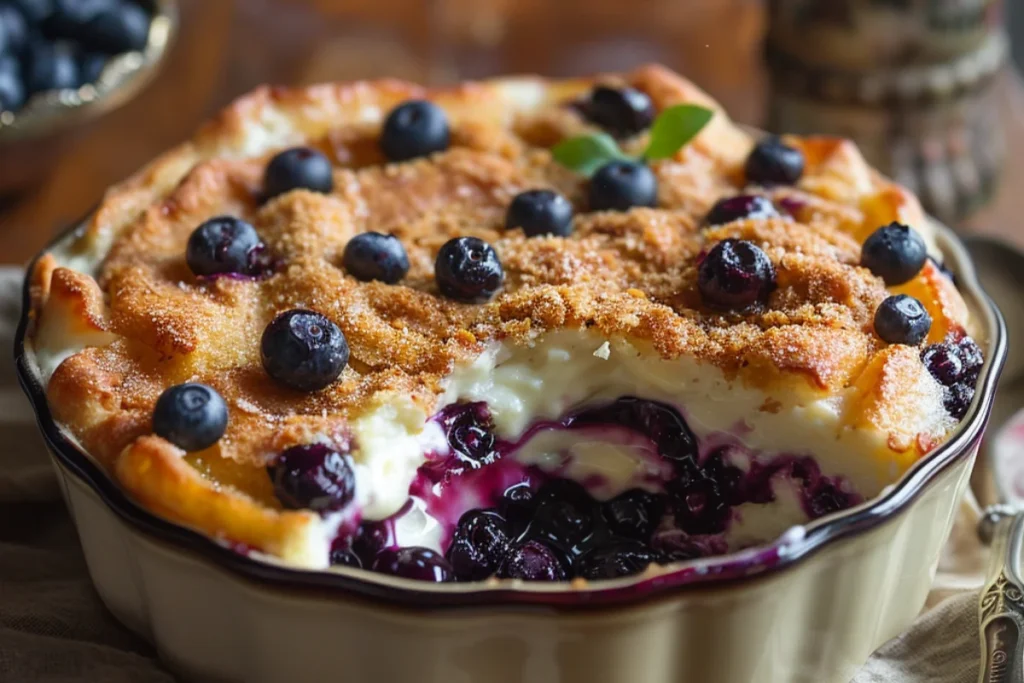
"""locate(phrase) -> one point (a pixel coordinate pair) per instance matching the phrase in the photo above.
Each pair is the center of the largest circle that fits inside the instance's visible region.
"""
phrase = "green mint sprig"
(673, 128)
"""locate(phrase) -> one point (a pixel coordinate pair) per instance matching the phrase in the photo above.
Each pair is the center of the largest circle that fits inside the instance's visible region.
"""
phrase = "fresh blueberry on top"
(191, 416)
(621, 185)
(314, 477)
(735, 275)
(467, 269)
(614, 560)
(532, 561)
(298, 168)
(895, 253)
(224, 244)
(373, 256)
(944, 362)
(540, 212)
(303, 350)
(633, 514)
(14, 30)
(420, 564)
(741, 207)
(50, 66)
(772, 162)
(620, 111)
(121, 28)
(478, 545)
(12, 90)
(414, 129)
(902, 319)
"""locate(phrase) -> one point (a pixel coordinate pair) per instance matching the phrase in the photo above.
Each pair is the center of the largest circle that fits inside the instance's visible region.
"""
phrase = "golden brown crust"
(627, 274)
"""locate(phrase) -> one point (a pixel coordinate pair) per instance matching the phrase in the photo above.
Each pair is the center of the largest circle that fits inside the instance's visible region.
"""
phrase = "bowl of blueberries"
(64, 63)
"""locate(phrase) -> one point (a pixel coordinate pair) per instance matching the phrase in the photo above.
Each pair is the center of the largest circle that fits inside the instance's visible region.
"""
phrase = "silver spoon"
(1000, 268)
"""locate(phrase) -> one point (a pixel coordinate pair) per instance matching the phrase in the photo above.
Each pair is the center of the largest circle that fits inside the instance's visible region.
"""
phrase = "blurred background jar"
(913, 82)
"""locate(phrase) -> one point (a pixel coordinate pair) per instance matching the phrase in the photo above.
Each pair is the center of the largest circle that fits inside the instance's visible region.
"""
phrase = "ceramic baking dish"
(810, 606)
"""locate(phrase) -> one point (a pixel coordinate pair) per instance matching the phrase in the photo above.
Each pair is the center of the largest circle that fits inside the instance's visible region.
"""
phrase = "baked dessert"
(420, 332)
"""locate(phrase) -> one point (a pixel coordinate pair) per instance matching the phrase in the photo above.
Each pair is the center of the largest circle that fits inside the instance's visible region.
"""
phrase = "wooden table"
(225, 48)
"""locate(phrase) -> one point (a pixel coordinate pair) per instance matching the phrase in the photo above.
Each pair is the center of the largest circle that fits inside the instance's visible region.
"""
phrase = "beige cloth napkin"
(53, 628)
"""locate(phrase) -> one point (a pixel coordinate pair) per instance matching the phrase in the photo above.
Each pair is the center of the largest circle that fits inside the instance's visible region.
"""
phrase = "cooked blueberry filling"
(537, 524)
(420, 564)
(955, 364)
(313, 476)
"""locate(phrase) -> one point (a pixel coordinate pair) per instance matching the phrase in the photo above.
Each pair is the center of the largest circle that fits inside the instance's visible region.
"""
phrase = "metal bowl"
(32, 138)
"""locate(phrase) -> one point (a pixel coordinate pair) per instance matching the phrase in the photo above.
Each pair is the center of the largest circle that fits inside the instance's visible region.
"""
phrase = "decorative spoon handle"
(1001, 607)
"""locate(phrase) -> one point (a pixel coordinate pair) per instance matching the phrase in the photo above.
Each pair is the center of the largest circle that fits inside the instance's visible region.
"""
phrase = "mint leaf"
(587, 153)
(675, 127)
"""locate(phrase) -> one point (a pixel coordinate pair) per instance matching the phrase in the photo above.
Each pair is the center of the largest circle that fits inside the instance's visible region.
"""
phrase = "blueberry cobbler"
(512, 330)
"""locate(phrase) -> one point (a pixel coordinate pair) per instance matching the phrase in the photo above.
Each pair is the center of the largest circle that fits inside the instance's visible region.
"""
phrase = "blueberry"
(191, 416)
(676, 546)
(13, 29)
(224, 244)
(895, 253)
(944, 362)
(373, 256)
(901, 319)
(12, 90)
(371, 538)
(698, 504)
(70, 18)
(735, 276)
(540, 212)
(50, 67)
(532, 561)
(741, 207)
(420, 564)
(468, 270)
(314, 477)
(825, 499)
(517, 506)
(728, 479)
(414, 129)
(564, 514)
(661, 423)
(958, 399)
(478, 545)
(620, 111)
(298, 168)
(345, 557)
(614, 560)
(972, 357)
(621, 185)
(633, 514)
(561, 524)
(34, 11)
(122, 28)
(91, 66)
(303, 350)
(470, 437)
(773, 163)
